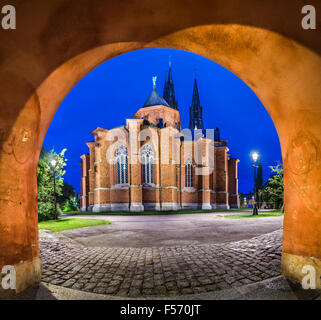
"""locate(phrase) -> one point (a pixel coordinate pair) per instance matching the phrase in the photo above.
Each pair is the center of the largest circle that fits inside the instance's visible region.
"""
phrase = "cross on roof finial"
(154, 81)
(170, 61)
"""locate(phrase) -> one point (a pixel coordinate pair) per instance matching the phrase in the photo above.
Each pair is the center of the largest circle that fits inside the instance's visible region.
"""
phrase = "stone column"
(102, 187)
(168, 179)
(91, 173)
(207, 166)
(213, 180)
(134, 165)
(206, 192)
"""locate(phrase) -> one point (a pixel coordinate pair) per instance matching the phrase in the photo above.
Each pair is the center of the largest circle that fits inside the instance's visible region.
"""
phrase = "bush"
(70, 204)
(46, 211)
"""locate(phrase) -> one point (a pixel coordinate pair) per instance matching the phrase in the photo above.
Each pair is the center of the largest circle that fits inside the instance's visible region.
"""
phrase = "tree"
(274, 191)
(45, 179)
(68, 200)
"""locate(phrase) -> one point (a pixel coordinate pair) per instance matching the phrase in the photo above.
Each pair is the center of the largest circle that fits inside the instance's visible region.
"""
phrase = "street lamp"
(53, 163)
(255, 157)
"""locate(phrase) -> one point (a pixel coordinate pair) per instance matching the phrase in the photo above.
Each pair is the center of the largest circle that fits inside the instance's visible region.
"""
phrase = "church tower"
(169, 92)
(195, 110)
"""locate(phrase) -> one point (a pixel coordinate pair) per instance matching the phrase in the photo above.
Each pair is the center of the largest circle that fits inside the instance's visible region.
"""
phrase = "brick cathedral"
(150, 163)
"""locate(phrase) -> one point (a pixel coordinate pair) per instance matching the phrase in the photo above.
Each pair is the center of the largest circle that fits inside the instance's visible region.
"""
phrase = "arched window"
(122, 165)
(189, 173)
(147, 163)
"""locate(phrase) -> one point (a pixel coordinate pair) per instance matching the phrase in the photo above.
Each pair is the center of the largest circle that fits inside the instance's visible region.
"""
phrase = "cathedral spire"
(169, 92)
(195, 110)
(165, 92)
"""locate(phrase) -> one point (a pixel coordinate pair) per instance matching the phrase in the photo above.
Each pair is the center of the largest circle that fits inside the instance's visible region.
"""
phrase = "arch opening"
(278, 86)
(182, 99)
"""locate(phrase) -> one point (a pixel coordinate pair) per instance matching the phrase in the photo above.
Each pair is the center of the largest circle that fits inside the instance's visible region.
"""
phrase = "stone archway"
(36, 75)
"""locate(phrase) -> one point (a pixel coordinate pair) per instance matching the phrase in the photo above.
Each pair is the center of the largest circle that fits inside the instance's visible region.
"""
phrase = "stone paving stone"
(148, 292)
(160, 290)
(89, 286)
(134, 292)
(99, 290)
(122, 292)
(187, 291)
(166, 271)
(112, 290)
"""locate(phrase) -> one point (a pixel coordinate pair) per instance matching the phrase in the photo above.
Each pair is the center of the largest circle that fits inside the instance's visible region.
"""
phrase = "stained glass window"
(189, 173)
(147, 163)
(122, 165)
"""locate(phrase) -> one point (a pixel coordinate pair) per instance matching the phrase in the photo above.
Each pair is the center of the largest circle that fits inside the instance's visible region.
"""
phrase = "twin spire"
(169, 92)
(168, 100)
(195, 110)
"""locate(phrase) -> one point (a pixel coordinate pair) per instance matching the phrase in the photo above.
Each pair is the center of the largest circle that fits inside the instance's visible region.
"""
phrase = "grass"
(262, 214)
(147, 213)
(69, 223)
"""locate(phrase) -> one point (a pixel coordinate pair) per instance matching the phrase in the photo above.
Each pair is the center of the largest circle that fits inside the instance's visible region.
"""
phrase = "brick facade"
(214, 182)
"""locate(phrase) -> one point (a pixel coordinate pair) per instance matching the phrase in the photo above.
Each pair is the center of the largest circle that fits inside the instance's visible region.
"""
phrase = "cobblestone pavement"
(165, 271)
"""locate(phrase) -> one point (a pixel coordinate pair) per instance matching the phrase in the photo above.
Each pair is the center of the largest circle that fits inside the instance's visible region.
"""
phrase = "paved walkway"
(171, 230)
(160, 271)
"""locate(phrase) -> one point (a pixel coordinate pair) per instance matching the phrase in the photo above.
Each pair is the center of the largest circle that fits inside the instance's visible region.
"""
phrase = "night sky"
(116, 89)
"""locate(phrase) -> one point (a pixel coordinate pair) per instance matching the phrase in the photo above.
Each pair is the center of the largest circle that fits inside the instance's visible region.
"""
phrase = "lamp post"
(255, 157)
(54, 164)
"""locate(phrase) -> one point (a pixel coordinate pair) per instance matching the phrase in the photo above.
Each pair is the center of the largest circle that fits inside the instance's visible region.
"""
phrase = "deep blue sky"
(116, 89)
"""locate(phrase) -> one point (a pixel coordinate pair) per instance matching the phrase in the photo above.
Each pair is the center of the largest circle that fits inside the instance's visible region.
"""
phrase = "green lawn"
(263, 214)
(69, 223)
(148, 213)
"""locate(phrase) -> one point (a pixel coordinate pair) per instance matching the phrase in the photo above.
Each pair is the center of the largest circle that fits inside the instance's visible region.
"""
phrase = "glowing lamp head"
(53, 162)
(255, 156)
